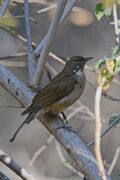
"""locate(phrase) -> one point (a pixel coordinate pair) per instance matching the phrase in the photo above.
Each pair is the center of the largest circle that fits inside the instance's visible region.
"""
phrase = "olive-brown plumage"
(63, 90)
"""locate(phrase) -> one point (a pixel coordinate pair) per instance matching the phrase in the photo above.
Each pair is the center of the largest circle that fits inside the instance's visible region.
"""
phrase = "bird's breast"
(68, 100)
(79, 76)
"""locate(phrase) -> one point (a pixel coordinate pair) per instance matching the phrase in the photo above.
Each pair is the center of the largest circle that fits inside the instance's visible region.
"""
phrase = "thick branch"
(117, 119)
(74, 146)
(98, 133)
(3, 176)
(9, 162)
(15, 87)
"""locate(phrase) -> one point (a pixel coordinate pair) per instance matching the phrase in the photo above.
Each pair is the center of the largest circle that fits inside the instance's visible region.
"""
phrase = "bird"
(62, 91)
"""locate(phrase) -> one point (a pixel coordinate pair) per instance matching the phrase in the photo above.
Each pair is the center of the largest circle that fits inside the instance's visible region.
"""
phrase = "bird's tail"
(27, 121)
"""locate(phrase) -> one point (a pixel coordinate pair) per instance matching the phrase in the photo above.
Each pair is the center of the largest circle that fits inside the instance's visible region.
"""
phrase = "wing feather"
(51, 93)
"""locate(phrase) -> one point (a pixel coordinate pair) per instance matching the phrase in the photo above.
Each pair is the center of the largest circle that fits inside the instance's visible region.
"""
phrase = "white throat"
(78, 73)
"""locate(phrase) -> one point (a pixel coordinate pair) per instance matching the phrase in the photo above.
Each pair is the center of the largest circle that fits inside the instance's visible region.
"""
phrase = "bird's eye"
(77, 60)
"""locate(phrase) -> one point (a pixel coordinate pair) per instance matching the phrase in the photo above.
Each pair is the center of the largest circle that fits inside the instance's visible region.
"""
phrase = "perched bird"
(63, 90)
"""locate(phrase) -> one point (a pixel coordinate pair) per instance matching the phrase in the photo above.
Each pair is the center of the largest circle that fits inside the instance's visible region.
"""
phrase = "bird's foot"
(66, 127)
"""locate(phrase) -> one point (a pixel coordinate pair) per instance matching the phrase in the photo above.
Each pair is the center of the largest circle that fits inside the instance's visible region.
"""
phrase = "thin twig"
(10, 62)
(54, 56)
(114, 161)
(31, 59)
(115, 18)
(104, 93)
(98, 131)
(40, 150)
(107, 130)
(46, 9)
(15, 55)
(10, 163)
(49, 38)
(34, 13)
(63, 160)
(110, 97)
(68, 8)
(4, 7)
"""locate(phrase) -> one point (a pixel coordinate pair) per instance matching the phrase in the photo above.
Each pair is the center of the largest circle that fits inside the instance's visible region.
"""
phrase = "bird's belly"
(67, 101)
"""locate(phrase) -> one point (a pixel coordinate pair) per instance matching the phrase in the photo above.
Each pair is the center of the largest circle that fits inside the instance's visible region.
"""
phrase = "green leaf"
(117, 68)
(115, 51)
(99, 11)
(112, 118)
(99, 63)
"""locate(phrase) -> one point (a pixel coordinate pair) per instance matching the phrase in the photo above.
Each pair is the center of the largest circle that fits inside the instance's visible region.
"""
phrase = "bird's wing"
(50, 94)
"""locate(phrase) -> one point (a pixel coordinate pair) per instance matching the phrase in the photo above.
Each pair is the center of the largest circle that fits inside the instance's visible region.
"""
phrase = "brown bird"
(63, 90)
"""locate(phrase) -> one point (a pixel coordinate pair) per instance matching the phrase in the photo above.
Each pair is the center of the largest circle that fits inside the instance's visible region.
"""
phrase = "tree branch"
(49, 38)
(98, 132)
(63, 161)
(115, 18)
(117, 119)
(68, 8)
(31, 58)
(3, 176)
(114, 161)
(4, 7)
(9, 162)
(15, 87)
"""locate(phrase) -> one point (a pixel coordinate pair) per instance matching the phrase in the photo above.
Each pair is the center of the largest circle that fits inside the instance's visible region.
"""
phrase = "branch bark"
(10, 163)
(74, 146)
(3, 176)
(31, 58)
(20, 91)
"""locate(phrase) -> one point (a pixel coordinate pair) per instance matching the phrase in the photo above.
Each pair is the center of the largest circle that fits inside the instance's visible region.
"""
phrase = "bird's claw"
(66, 127)
(64, 118)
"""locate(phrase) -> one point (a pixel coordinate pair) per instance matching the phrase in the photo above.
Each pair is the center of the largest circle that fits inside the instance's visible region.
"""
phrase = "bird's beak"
(88, 58)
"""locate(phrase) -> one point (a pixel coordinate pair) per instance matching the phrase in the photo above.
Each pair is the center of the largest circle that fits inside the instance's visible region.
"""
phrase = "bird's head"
(76, 63)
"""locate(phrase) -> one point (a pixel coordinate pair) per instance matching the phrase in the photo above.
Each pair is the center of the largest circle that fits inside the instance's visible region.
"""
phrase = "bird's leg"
(64, 117)
(65, 124)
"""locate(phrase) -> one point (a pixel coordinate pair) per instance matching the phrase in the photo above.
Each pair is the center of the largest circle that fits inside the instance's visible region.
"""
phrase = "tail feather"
(27, 121)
